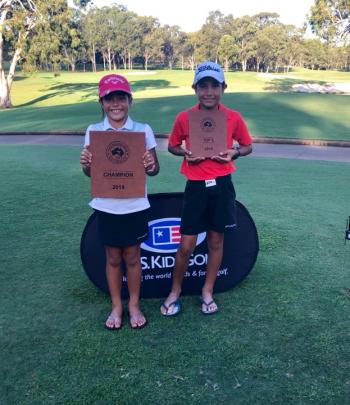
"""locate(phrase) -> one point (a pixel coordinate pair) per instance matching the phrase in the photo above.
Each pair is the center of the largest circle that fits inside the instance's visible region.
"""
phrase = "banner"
(241, 246)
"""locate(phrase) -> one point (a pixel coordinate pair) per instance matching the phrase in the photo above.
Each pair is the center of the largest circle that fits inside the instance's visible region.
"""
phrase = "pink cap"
(110, 83)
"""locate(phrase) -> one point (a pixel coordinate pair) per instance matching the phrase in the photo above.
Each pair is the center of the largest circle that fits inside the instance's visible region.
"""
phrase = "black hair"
(223, 84)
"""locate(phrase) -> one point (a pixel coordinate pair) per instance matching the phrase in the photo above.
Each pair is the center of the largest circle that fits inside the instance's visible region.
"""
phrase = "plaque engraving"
(117, 170)
(207, 132)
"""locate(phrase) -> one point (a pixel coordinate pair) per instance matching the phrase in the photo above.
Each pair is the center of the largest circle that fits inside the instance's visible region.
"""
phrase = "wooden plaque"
(207, 132)
(117, 169)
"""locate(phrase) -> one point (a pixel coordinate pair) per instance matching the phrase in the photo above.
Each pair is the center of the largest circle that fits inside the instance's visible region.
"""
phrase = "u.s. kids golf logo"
(164, 236)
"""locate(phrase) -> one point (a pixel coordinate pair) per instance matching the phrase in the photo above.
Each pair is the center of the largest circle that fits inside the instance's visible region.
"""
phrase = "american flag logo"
(163, 235)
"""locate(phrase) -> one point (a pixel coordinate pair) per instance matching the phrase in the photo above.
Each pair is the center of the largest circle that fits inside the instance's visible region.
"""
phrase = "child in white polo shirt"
(122, 222)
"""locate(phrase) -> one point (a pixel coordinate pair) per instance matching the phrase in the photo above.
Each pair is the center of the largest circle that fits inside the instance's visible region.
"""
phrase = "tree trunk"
(257, 65)
(226, 64)
(6, 83)
(191, 62)
(124, 57)
(113, 60)
(244, 65)
(93, 62)
(109, 59)
(5, 100)
(93, 58)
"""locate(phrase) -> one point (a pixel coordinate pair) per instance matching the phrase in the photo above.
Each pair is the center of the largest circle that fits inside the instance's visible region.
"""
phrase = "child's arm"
(178, 150)
(150, 162)
(85, 160)
(233, 154)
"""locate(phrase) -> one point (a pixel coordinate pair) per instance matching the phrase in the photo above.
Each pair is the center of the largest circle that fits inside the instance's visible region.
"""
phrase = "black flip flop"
(207, 304)
(177, 308)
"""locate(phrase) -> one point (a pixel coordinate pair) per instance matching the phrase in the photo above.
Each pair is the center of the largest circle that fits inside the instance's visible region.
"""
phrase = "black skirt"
(123, 230)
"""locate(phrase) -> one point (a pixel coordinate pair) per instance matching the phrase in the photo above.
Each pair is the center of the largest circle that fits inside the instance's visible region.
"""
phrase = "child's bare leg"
(184, 251)
(215, 241)
(131, 256)
(114, 280)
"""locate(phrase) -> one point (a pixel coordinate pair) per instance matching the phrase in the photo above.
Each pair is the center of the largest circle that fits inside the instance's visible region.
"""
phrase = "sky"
(190, 15)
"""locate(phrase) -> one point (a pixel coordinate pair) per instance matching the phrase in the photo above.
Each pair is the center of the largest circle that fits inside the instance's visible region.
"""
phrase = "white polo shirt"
(122, 205)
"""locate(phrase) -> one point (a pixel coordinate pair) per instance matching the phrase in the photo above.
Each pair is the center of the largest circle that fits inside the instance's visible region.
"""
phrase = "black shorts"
(122, 230)
(208, 207)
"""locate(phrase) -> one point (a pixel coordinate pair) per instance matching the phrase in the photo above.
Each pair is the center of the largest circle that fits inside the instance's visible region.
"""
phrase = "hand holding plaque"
(207, 132)
(117, 170)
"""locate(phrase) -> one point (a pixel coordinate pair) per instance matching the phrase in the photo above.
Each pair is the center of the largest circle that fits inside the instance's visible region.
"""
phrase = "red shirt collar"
(197, 107)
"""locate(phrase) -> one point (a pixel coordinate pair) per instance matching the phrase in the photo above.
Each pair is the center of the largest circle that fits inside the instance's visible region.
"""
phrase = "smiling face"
(209, 92)
(116, 107)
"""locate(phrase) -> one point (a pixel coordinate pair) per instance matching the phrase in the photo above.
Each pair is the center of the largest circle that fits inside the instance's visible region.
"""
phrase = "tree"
(330, 19)
(339, 57)
(150, 40)
(22, 22)
(56, 39)
(262, 49)
(243, 30)
(265, 18)
(209, 35)
(129, 40)
(171, 44)
(314, 54)
(71, 34)
(261, 42)
(108, 26)
(90, 26)
(227, 50)
(152, 46)
(189, 49)
(17, 20)
(294, 45)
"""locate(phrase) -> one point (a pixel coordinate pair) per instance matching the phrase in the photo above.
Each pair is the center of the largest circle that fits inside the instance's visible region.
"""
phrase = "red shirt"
(209, 169)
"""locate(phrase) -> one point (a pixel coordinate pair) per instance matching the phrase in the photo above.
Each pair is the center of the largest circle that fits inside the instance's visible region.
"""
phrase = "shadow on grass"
(64, 89)
(292, 115)
(89, 90)
(19, 78)
(140, 85)
(266, 114)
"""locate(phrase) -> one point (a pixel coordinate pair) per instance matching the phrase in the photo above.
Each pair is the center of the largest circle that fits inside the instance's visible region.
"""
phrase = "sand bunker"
(330, 88)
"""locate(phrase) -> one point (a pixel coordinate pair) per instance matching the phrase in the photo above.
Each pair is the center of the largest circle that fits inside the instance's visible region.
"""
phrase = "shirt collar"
(126, 127)
(197, 107)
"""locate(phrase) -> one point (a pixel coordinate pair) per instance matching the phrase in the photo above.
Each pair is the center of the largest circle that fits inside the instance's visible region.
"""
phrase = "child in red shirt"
(209, 197)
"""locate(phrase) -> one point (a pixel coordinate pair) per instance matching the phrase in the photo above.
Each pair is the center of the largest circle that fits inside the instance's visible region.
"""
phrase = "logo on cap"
(209, 69)
(113, 80)
(111, 83)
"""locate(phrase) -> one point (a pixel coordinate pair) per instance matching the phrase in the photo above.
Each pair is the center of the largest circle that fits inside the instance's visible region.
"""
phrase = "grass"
(45, 102)
(281, 335)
